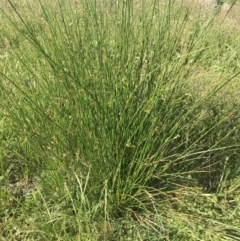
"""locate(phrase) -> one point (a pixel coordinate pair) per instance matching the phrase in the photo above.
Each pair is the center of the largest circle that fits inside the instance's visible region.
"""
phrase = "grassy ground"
(119, 121)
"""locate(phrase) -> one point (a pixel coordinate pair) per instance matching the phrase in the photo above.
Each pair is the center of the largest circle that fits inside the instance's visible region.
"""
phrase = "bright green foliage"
(119, 121)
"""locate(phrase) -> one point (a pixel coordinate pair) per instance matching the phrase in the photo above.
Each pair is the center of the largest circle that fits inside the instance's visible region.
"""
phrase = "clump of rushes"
(98, 102)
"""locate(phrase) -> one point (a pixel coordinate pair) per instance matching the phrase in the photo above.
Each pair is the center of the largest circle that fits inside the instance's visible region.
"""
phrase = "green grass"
(118, 121)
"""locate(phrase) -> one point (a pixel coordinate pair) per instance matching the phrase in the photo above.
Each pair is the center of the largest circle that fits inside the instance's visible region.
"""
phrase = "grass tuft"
(119, 121)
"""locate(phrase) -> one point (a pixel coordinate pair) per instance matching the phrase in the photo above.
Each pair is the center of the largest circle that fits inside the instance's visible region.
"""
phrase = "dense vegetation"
(119, 120)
